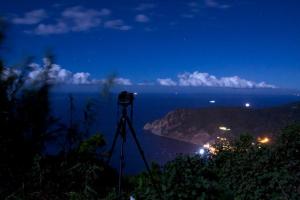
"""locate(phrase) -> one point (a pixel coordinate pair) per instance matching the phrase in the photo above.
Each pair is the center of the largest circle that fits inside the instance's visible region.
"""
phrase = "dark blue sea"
(149, 107)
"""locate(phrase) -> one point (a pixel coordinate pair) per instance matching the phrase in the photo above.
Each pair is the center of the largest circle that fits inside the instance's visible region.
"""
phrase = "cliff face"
(200, 126)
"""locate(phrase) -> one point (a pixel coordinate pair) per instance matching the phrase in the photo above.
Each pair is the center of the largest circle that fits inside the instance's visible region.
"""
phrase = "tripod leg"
(143, 156)
(122, 164)
(122, 155)
(114, 141)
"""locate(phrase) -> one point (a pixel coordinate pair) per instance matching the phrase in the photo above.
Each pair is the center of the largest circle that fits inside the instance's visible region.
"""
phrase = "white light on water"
(212, 101)
(247, 105)
(135, 93)
(223, 128)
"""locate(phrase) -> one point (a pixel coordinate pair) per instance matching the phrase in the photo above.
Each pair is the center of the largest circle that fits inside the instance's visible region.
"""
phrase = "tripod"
(123, 122)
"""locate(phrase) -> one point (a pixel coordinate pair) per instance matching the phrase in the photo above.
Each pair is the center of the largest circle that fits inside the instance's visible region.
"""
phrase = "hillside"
(203, 125)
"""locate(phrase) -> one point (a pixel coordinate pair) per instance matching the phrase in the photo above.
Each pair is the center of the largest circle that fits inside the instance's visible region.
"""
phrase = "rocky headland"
(199, 126)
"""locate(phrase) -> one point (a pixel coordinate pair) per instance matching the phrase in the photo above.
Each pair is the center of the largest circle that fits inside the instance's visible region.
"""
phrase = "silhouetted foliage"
(186, 177)
(262, 171)
(27, 171)
(246, 170)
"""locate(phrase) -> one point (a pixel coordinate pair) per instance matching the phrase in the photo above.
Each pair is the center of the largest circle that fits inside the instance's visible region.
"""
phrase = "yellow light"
(263, 140)
(210, 148)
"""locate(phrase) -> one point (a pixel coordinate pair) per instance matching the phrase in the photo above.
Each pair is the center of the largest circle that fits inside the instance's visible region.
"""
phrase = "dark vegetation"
(240, 170)
(27, 171)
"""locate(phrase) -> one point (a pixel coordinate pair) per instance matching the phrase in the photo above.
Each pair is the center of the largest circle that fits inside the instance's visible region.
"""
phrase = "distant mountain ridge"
(202, 125)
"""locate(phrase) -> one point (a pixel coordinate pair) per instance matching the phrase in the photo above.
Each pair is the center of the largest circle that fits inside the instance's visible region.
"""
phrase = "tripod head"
(125, 98)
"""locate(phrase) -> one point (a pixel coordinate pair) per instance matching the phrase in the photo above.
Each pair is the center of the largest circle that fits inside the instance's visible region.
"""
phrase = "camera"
(125, 98)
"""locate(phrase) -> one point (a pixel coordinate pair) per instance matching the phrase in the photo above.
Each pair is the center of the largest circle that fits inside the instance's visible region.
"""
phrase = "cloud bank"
(206, 80)
(58, 75)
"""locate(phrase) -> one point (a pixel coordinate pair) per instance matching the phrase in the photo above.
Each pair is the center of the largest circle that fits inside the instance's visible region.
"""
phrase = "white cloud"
(83, 19)
(117, 24)
(73, 19)
(81, 78)
(32, 17)
(215, 4)
(122, 81)
(145, 6)
(166, 82)
(47, 29)
(57, 75)
(142, 18)
(204, 79)
(196, 79)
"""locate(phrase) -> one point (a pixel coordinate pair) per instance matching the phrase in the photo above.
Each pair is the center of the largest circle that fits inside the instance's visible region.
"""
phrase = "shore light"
(247, 105)
(263, 140)
(201, 151)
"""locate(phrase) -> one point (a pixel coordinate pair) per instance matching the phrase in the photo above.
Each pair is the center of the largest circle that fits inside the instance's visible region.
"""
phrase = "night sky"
(225, 43)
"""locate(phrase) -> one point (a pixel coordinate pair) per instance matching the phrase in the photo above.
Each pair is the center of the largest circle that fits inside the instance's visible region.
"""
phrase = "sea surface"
(149, 107)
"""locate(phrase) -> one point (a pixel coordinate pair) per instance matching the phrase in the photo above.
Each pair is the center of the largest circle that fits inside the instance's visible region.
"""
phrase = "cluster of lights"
(212, 101)
(210, 148)
(225, 144)
(222, 138)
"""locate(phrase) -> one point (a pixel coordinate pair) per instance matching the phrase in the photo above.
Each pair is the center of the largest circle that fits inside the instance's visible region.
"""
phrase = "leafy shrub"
(186, 177)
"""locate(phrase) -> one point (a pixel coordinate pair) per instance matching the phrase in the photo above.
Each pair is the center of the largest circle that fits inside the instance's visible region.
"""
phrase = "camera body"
(125, 98)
